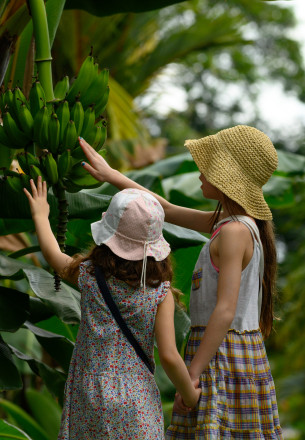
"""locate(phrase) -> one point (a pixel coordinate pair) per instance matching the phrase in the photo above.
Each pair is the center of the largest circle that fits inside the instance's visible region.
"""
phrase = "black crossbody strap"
(118, 317)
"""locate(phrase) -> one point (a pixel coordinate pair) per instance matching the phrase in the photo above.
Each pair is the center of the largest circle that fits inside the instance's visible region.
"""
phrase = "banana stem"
(61, 226)
(43, 56)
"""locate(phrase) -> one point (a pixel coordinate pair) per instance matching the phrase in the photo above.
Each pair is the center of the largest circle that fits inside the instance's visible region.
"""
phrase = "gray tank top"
(205, 278)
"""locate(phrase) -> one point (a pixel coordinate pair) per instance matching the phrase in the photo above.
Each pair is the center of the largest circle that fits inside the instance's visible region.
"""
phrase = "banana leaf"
(8, 431)
(14, 309)
(24, 420)
(102, 9)
(45, 410)
(53, 379)
(10, 378)
(65, 303)
(59, 347)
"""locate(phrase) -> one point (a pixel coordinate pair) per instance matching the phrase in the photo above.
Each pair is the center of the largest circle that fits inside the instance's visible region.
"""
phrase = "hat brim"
(221, 170)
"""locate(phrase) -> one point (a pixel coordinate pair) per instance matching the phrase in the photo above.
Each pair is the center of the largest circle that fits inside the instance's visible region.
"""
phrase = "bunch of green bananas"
(54, 127)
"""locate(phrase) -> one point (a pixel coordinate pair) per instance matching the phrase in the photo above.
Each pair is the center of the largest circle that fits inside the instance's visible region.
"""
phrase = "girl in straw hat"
(232, 287)
(110, 393)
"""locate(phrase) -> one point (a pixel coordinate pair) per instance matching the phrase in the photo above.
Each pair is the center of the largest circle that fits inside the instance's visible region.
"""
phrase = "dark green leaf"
(117, 6)
(59, 347)
(9, 375)
(65, 303)
(14, 309)
(38, 310)
(53, 379)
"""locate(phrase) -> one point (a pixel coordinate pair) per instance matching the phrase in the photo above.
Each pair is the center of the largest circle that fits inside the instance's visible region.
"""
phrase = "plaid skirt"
(238, 398)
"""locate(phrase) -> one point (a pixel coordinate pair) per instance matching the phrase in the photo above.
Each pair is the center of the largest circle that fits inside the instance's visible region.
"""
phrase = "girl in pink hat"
(126, 302)
(232, 287)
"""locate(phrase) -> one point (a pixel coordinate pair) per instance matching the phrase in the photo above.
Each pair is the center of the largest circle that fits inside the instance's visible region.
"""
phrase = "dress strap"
(255, 234)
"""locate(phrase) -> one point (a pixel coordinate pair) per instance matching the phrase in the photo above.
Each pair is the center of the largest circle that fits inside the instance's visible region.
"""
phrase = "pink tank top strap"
(218, 229)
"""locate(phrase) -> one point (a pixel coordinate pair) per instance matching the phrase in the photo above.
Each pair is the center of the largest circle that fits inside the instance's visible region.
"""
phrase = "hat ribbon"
(143, 275)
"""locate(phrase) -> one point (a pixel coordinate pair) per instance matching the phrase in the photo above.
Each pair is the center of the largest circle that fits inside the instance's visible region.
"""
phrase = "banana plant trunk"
(43, 62)
(43, 58)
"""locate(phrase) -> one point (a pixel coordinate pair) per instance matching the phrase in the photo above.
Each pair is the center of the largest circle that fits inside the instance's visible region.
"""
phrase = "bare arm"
(40, 214)
(170, 358)
(231, 248)
(178, 215)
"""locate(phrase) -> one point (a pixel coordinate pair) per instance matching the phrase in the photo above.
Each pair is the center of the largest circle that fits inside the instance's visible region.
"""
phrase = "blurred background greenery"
(218, 53)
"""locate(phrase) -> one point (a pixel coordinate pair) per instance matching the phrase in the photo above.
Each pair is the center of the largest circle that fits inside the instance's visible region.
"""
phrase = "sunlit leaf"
(24, 420)
(8, 431)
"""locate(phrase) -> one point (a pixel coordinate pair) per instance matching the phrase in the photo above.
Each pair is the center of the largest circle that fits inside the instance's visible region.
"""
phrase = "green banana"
(2, 101)
(83, 80)
(89, 121)
(25, 119)
(70, 136)
(37, 98)
(50, 167)
(101, 105)
(17, 138)
(41, 127)
(19, 97)
(97, 136)
(63, 114)
(78, 155)
(61, 88)
(64, 163)
(25, 180)
(35, 172)
(54, 133)
(9, 100)
(81, 178)
(4, 140)
(15, 183)
(25, 160)
(96, 89)
(7, 172)
(77, 115)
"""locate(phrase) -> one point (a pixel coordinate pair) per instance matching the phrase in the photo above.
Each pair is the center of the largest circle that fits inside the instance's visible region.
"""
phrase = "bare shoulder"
(235, 236)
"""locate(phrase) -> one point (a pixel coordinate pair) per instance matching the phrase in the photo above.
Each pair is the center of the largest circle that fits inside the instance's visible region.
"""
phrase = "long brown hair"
(125, 270)
(266, 231)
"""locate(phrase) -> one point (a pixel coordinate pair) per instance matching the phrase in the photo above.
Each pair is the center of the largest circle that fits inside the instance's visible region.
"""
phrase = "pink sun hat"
(132, 226)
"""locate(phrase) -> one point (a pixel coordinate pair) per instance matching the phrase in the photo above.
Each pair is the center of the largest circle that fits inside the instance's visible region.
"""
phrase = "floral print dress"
(110, 394)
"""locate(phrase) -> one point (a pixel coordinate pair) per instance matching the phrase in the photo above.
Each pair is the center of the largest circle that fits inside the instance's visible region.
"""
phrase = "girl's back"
(109, 390)
(102, 340)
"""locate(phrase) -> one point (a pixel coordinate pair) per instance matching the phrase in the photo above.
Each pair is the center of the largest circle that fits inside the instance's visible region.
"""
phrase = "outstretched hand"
(98, 167)
(38, 198)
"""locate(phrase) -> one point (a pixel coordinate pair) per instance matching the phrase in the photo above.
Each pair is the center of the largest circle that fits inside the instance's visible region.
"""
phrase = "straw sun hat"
(238, 161)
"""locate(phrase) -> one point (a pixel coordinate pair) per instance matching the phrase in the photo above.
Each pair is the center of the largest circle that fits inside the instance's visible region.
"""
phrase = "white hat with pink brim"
(132, 226)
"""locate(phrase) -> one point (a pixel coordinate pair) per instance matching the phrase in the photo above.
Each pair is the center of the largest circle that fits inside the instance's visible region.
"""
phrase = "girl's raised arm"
(178, 215)
(170, 359)
(40, 213)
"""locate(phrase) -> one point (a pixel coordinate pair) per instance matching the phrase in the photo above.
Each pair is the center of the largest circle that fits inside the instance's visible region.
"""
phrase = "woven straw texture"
(238, 161)
(238, 398)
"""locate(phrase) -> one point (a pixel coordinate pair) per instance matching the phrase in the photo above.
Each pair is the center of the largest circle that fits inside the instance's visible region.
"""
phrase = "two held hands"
(180, 407)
